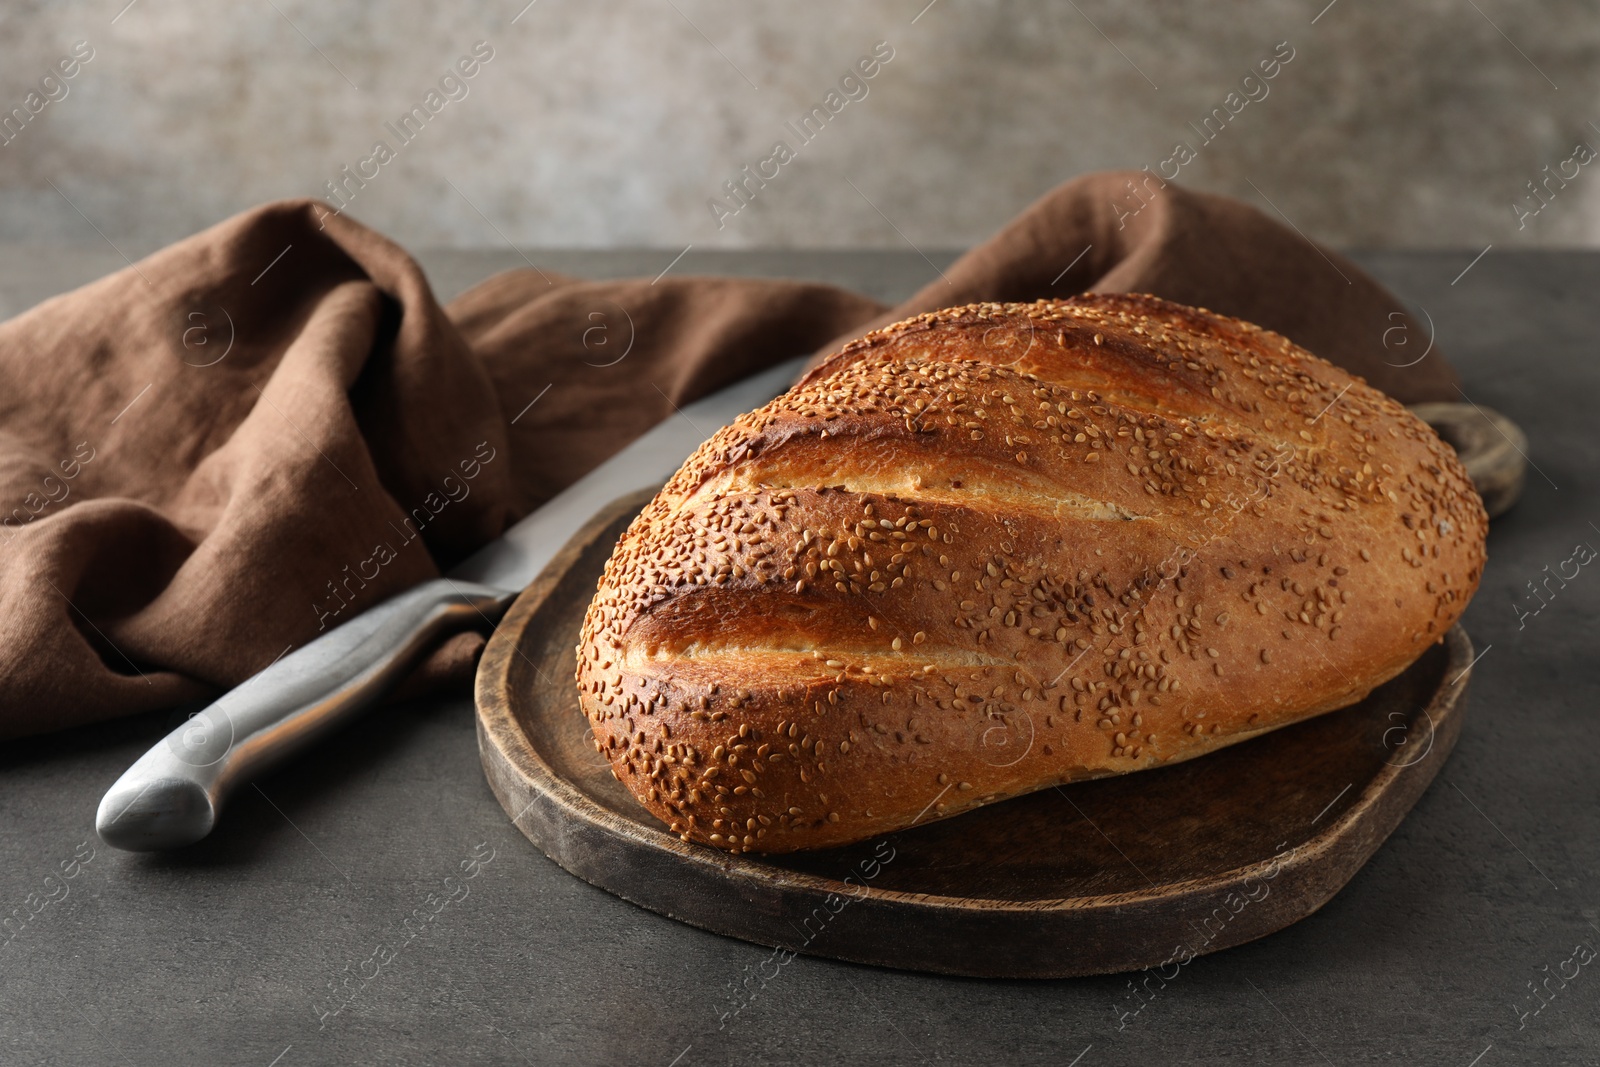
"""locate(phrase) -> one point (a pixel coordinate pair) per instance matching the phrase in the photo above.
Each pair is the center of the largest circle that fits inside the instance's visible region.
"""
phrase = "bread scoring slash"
(1001, 547)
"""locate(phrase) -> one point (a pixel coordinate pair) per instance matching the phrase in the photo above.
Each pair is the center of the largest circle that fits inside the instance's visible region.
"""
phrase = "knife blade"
(174, 794)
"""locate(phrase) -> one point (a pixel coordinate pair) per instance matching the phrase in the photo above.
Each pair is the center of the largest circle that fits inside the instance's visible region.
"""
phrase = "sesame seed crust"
(1000, 547)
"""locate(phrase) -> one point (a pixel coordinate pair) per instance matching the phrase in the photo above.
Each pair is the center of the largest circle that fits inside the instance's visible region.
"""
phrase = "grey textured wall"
(617, 122)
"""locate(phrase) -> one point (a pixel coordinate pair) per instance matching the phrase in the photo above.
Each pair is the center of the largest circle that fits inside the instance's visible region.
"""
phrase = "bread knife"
(173, 795)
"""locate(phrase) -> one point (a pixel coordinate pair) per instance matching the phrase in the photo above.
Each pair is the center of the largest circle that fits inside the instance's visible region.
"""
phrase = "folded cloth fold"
(216, 454)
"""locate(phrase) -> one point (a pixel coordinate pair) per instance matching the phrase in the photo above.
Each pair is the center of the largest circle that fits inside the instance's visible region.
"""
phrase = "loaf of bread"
(1000, 547)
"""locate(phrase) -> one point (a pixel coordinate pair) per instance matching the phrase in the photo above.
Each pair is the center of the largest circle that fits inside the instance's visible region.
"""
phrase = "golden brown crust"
(1000, 547)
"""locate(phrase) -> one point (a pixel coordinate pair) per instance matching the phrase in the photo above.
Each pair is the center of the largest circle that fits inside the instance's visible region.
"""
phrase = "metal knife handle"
(174, 793)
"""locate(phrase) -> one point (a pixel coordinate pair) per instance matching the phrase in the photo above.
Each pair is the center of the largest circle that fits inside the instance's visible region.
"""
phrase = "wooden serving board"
(1142, 870)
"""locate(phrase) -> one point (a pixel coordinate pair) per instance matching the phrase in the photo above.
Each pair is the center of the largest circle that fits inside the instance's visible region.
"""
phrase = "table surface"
(240, 949)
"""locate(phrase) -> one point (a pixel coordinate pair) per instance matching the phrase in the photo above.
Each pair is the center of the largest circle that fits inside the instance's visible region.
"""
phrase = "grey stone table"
(250, 948)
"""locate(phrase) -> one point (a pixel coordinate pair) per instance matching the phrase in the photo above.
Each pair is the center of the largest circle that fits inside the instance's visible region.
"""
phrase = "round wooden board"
(1142, 870)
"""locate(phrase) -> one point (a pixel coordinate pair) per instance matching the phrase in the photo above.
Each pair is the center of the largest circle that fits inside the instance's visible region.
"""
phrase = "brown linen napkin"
(212, 456)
